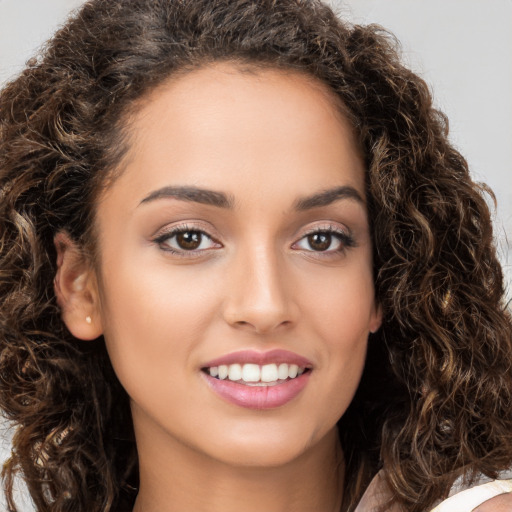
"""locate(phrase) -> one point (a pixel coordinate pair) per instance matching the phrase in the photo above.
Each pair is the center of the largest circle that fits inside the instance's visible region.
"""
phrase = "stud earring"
(88, 319)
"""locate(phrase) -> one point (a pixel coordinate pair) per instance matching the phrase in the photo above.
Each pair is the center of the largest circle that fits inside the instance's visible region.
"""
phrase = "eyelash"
(345, 239)
(163, 239)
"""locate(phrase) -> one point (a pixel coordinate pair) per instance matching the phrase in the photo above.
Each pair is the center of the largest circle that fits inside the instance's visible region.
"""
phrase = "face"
(235, 276)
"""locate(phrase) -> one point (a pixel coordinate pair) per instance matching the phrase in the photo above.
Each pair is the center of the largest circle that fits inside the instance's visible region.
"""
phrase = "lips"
(276, 356)
(258, 380)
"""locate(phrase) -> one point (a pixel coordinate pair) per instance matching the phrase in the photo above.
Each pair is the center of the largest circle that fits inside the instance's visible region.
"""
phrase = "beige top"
(471, 498)
(460, 499)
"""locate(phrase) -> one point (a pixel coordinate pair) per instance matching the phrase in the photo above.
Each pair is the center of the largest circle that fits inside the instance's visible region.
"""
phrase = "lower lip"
(258, 397)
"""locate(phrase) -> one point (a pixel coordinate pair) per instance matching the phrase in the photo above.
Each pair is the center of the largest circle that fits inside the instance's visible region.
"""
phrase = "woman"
(241, 266)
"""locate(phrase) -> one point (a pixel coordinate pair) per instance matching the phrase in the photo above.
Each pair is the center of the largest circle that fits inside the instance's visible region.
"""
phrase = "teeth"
(282, 372)
(269, 373)
(253, 373)
(235, 372)
(223, 371)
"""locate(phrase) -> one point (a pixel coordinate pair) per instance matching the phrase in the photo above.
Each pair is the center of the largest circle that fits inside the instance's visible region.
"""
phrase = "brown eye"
(189, 240)
(181, 240)
(320, 241)
(331, 241)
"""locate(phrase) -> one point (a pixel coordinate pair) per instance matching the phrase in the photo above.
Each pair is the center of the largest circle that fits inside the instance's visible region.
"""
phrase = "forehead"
(220, 125)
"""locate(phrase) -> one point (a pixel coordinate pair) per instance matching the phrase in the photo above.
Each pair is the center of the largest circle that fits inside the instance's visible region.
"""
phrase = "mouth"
(258, 380)
(250, 374)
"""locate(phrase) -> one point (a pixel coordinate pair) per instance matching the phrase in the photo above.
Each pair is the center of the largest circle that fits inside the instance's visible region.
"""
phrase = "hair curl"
(439, 405)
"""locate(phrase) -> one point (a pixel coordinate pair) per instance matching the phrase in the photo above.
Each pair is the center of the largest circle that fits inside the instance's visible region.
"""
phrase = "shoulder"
(482, 495)
(500, 503)
(491, 496)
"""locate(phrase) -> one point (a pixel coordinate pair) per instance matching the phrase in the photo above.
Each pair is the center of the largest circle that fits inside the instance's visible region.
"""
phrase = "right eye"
(182, 240)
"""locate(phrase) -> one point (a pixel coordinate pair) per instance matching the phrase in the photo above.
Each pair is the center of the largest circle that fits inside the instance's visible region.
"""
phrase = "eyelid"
(326, 227)
(170, 231)
(344, 235)
(186, 225)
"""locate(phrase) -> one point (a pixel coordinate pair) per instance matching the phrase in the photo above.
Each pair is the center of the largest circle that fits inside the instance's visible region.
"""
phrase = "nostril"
(261, 326)
(259, 312)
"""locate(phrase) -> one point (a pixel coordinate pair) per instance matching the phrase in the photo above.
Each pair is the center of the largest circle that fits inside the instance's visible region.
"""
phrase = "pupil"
(320, 241)
(189, 239)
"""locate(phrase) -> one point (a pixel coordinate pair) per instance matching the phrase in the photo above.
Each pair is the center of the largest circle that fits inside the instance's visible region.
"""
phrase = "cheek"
(342, 307)
(153, 321)
(342, 316)
(155, 298)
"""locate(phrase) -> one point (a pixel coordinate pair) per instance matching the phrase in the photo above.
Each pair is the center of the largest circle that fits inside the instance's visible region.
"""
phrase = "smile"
(256, 375)
(258, 380)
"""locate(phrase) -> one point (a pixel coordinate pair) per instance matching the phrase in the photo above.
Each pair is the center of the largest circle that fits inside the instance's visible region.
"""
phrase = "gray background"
(462, 48)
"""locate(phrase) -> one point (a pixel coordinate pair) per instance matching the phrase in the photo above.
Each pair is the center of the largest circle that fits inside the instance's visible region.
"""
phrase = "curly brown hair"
(434, 400)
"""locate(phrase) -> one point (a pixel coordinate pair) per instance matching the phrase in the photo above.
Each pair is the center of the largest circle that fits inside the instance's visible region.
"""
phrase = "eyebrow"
(222, 200)
(327, 197)
(192, 194)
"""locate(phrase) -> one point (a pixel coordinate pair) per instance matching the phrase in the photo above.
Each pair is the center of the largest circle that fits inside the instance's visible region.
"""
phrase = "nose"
(259, 296)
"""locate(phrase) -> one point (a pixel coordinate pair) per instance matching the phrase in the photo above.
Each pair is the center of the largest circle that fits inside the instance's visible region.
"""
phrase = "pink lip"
(257, 397)
(276, 356)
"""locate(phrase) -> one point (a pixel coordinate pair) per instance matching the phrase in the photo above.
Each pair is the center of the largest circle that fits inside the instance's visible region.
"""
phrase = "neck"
(176, 478)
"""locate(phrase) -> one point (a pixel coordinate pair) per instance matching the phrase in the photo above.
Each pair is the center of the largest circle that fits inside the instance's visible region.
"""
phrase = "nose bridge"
(258, 295)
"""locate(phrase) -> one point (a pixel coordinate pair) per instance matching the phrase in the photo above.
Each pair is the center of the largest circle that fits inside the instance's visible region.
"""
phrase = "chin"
(267, 458)
(271, 449)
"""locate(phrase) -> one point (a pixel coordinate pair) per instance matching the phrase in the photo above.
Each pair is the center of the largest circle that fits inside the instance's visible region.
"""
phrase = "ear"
(376, 318)
(76, 290)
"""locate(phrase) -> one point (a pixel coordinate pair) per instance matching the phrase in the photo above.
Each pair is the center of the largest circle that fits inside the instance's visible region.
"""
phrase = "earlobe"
(376, 320)
(76, 290)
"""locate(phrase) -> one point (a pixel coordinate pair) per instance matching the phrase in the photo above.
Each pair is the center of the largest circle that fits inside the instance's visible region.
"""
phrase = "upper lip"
(276, 356)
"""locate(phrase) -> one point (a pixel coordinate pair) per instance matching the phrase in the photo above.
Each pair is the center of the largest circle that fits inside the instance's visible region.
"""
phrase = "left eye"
(322, 241)
(187, 240)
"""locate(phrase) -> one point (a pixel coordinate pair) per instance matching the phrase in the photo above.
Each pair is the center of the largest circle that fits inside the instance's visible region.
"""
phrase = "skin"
(501, 503)
(266, 140)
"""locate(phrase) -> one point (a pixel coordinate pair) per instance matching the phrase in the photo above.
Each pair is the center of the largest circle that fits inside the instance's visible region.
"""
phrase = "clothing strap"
(468, 500)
